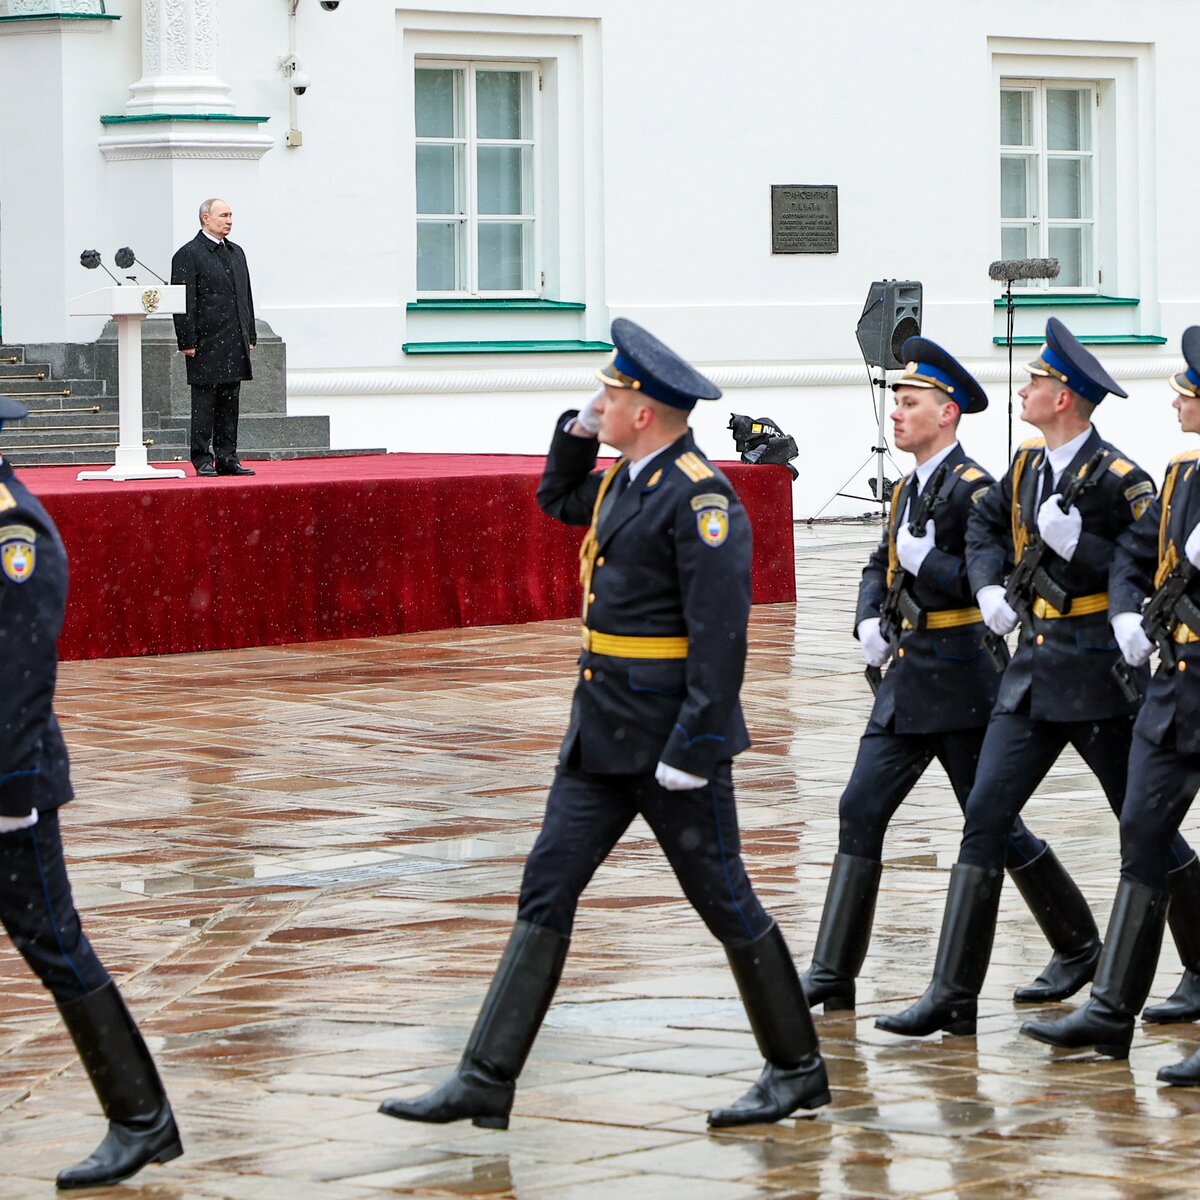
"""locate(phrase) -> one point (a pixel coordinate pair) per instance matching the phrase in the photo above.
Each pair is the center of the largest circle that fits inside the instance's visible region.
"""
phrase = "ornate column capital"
(180, 49)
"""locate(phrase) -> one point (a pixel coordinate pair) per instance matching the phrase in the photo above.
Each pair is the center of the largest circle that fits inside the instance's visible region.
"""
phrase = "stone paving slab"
(301, 863)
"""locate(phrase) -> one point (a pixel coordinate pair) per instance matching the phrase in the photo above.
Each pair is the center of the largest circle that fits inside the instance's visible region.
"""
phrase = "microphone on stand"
(126, 258)
(1008, 271)
(91, 260)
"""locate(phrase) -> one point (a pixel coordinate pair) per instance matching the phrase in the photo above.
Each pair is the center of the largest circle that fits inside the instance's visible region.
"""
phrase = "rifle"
(1029, 579)
(898, 604)
(1170, 605)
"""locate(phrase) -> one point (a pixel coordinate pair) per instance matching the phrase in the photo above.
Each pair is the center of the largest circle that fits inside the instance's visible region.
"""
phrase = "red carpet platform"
(336, 548)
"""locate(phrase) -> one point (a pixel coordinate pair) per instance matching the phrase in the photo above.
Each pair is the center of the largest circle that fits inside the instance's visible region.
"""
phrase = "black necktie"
(1047, 482)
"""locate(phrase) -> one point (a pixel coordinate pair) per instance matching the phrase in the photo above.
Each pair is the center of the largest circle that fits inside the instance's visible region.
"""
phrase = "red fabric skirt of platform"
(337, 548)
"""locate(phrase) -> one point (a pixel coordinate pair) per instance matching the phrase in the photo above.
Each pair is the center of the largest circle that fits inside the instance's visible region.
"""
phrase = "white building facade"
(443, 224)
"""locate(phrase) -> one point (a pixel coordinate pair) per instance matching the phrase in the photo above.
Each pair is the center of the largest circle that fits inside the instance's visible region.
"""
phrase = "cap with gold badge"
(929, 366)
(644, 364)
(1065, 359)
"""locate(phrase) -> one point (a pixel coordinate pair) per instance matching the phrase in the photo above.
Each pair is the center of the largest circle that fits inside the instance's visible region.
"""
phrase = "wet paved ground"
(300, 862)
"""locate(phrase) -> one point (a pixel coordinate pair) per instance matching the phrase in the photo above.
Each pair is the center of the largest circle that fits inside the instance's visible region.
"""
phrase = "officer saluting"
(35, 896)
(1059, 688)
(655, 723)
(1159, 555)
(936, 698)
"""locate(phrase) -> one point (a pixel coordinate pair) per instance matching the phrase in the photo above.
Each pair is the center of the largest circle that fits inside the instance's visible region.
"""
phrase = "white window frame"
(1041, 152)
(471, 217)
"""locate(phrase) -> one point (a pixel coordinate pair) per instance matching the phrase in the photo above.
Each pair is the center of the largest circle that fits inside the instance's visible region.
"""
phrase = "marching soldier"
(655, 723)
(36, 906)
(935, 699)
(1159, 554)
(1060, 688)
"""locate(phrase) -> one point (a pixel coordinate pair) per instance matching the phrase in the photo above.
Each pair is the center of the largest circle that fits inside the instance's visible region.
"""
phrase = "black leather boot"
(964, 950)
(1059, 908)
(483, 1085)
(1123, 977)
(141, 1126)
(1183, 916)
(794, 1075)
(1182, 1074)
(845, 933)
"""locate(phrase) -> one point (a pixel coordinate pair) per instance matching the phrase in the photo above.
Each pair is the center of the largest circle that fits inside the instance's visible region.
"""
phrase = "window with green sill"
(477, 202)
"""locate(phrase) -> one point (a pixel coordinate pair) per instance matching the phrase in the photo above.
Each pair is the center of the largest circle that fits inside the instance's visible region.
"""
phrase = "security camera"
(330, 5)
(300, 82)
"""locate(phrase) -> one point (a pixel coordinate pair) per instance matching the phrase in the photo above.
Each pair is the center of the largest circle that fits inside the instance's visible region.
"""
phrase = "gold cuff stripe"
(616, 645)
(1081, 606)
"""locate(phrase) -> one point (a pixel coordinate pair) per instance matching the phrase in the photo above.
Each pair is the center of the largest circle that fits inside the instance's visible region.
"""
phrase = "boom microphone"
(91, 260)
(1009, 269)
(126, 258)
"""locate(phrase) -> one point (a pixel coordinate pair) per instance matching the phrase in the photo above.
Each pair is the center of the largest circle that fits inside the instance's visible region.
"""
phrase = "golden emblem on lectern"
(151, 299)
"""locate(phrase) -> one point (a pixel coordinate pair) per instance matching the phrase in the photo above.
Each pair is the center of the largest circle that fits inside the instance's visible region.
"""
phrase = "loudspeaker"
(891, 314)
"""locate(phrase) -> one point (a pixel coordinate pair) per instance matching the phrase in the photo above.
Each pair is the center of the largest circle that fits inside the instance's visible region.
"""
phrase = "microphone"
(126, 258)
(91, 260)
(1007, 270)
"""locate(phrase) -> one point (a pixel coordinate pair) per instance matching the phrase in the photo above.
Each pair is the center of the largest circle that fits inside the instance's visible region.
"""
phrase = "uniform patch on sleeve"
(6, 499)
(18, 552)
(709, 500)
(1120, 467)
(979, 493)
(1145, 488)
(713, 526)
(1137, 507)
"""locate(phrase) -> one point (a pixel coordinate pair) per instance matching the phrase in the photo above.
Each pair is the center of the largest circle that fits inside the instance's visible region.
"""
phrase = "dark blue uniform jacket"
(34, 770)
(1064, 664)
(1172, 695)
(940, 679)
(667, 566)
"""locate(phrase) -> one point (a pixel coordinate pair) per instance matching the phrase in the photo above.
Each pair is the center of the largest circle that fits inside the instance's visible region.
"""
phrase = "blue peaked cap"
(1187, 383)
(1069, 362)
(644, 364)
(929, 366)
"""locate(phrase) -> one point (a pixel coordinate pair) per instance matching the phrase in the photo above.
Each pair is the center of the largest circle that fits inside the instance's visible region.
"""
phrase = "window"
(1049, 178)
(476, 175)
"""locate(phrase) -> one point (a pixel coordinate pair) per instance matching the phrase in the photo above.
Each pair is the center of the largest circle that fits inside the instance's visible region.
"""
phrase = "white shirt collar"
(1060, 459)
(636, 467)
(211, 238)
(931, 464)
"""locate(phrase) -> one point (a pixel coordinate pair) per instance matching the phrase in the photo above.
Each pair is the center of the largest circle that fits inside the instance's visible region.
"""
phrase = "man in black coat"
(216, 333)
(936, 698)
(655, 723)
(36, 907)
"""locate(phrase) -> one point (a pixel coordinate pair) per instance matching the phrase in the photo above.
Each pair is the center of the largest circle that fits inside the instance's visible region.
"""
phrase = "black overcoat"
(219, 321)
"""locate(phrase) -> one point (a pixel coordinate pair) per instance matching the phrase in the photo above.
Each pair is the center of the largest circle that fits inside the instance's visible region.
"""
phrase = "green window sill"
(1050, 300)
(495, 306)
(532, 347)
(1093, 339)
(60, 16)
(145, 118)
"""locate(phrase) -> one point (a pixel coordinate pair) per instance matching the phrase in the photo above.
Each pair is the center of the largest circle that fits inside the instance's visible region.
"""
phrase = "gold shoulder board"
(1120, 466)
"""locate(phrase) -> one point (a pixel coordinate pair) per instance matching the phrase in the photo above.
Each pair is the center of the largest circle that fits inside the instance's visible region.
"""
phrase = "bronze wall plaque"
(804, 218)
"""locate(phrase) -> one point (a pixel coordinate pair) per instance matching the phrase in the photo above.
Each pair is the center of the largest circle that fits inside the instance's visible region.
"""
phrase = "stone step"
(52, 389)
(35, 372)
(270, 432)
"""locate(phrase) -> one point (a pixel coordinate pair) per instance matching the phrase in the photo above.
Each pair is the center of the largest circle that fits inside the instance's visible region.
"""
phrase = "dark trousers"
(586, 815)
(1017, 752)
(214, 423)
(886, 770)
(1162, 785)
(39, 914)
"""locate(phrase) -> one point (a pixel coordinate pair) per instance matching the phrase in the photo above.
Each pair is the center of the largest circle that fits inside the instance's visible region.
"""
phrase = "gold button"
(1041, 639)
(1183, 665)
(900, 652)
(587, 674)
(591, 597)
(600, 561)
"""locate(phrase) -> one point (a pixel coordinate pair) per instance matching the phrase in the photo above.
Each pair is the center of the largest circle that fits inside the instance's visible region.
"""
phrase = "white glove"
(998, 614)
(876, 649)
(675, 780)
(912, 551)
(1192, 547)
(1060, 529)
(1136, 647)
(589, 418)
(12, 824)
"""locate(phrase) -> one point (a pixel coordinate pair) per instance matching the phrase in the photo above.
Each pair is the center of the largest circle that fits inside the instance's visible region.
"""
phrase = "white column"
(180, 45)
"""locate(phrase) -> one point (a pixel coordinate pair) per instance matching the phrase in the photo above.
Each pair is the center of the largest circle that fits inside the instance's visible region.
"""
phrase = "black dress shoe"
(208, 471)
(233, 468)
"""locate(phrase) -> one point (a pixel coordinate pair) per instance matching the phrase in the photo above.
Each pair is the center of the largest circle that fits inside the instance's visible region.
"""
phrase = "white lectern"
(130, 305)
